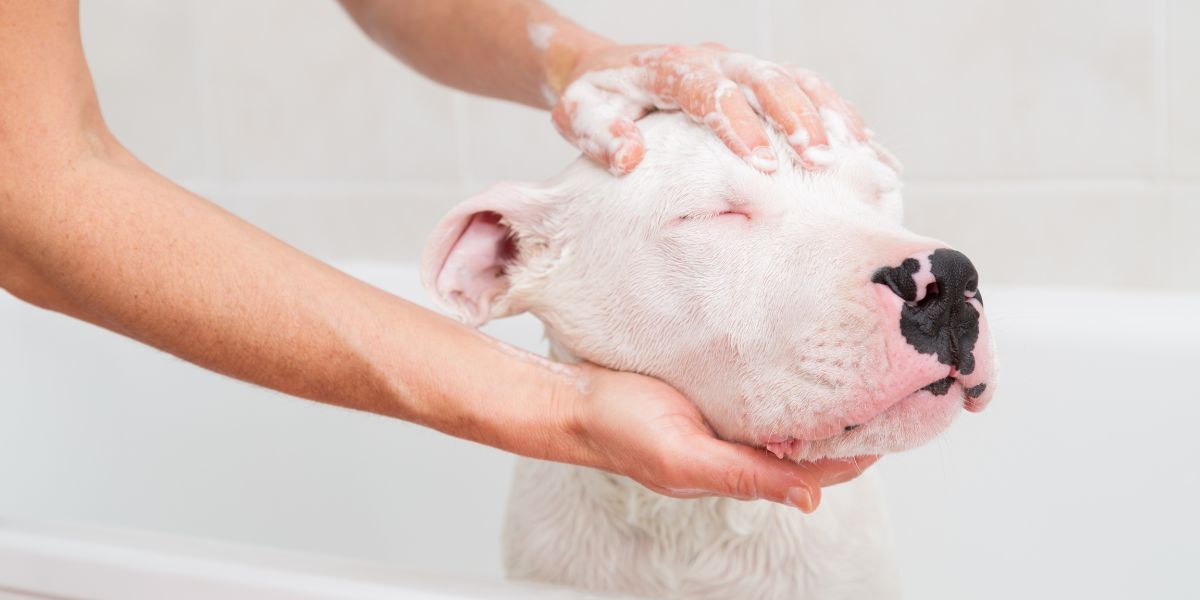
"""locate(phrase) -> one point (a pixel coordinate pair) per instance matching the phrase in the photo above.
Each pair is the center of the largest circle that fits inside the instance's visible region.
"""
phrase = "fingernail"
(801, 498)
(616, 151)
(620, 151)
(763, 159)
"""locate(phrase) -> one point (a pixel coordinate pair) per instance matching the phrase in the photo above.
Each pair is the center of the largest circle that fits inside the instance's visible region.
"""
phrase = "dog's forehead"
(687, 168)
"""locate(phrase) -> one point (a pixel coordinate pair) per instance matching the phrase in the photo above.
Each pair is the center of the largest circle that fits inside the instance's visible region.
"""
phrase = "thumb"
(600, 124)
(748, 473)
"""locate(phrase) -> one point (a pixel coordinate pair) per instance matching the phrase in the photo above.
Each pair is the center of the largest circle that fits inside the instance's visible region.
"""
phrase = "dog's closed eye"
(718, 216)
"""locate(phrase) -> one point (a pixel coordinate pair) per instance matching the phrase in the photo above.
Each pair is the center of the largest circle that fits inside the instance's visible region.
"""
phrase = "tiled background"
(1056, 142)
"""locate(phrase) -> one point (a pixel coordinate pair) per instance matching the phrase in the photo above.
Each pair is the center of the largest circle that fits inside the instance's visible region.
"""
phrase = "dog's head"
(792, 308)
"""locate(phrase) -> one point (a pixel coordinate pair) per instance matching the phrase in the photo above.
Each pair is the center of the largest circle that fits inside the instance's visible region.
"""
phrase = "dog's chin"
(907, 424)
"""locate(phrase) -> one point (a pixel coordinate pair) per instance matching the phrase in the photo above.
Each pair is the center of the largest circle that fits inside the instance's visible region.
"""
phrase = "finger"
(823, 96)
(781, 101)
(748, 473)
(709, 98)
(835, 471)
(601, 125)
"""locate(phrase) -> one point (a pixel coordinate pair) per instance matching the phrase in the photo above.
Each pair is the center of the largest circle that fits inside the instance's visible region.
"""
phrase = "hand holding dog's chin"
(642, 428)
(734, 94)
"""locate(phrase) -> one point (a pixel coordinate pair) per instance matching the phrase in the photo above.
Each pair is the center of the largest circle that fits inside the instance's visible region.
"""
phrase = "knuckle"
(744, 484)
(810, 81)
(697, 83)
(671, 53)
(769, 72)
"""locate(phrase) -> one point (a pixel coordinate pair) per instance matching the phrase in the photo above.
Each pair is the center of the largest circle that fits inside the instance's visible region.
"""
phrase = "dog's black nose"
(937, 317)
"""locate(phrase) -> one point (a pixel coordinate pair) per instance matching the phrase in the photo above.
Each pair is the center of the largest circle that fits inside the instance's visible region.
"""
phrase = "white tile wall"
(142, 58)
(1102, 234)
(336, 221)
(1182, 72)
(298, 93)
(970, 90)
(1055, 141)
(1180, 228)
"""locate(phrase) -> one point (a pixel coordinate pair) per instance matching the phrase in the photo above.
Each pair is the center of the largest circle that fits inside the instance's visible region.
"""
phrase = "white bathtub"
(1078, 481)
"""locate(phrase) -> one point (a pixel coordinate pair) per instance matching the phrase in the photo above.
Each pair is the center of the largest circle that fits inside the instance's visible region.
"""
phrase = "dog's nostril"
(931, 294)
(950, 275)
(900, 279)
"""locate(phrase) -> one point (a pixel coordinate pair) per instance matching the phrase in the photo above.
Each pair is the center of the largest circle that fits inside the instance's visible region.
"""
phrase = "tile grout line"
(300, 187)
(1149, 184)
(1160, 82)
(295, 186)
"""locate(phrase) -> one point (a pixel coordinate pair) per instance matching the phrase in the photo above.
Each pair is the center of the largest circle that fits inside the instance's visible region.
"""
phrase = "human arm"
(89, 231)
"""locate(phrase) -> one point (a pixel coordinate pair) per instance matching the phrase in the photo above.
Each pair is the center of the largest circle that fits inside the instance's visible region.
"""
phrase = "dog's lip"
(955, 387)
(970, 394)
(789, 445)
(782, 446)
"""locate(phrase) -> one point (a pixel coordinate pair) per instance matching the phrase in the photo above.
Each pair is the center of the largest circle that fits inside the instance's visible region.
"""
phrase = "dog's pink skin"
(896, 396)
(985, 371)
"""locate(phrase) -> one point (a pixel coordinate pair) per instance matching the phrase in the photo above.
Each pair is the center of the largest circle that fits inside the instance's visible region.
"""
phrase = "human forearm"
(520, 50)
(106, 240)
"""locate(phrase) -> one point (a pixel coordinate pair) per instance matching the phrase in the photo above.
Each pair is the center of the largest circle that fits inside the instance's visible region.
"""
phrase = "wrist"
(570, 46)
(516, 401)
(568, 416)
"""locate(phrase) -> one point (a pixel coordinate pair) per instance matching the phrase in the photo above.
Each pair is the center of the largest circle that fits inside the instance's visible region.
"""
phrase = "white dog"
(792, 308)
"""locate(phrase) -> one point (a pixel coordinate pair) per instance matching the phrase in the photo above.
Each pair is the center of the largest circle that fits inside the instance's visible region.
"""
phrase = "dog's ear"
(467, 258)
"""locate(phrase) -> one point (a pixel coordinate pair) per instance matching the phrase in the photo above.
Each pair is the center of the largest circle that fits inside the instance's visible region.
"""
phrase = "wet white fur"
(601, 532)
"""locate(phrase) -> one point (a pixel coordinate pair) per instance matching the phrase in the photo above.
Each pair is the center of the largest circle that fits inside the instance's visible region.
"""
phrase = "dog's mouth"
(782, 446)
